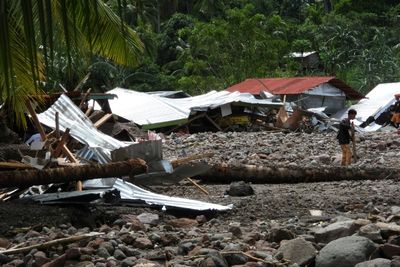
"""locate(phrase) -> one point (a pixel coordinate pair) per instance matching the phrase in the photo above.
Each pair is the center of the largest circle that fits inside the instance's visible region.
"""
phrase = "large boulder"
(335, 230)
(345, 252)
(297, 251)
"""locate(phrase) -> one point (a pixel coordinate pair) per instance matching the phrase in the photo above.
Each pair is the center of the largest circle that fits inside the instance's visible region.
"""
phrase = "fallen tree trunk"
(25, 178)
(224, 173)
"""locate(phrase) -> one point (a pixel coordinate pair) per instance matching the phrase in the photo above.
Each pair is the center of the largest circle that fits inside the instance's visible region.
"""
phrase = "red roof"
(290, 86)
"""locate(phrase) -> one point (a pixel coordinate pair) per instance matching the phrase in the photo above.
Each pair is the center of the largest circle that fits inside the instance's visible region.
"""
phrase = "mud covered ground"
(270, 201)
(281, 202)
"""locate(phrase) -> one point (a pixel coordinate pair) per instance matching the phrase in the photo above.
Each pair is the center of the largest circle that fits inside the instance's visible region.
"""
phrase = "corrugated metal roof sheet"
(81, 128)
(294, 85)
(375, 102)
(100, 146)
(145, 109)
(130, 191)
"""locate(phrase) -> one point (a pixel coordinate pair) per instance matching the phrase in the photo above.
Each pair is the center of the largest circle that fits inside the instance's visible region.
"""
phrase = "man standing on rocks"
(396, 111)
(344, 136)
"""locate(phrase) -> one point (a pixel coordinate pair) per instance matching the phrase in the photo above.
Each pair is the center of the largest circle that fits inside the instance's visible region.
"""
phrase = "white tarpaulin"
(375, 102)
(153, 110)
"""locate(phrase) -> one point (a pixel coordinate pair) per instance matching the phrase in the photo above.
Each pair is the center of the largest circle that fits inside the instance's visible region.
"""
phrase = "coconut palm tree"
(33, 33)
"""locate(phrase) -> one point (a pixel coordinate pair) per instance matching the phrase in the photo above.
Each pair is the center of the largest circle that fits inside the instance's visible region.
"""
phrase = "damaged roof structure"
(152, 111)
(307, 92)
(99, 147)
(373, 107)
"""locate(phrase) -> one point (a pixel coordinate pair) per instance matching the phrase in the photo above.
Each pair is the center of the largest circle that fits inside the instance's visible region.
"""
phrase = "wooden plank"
(198, 186)
(84, 98)
(72, 158)
(102, 120)
(36, 120)
(89, 111)
(58, 150)
(213, 122)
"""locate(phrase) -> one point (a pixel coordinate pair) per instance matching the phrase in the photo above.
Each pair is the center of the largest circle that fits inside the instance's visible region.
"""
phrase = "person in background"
(396, 111)
(344, 136)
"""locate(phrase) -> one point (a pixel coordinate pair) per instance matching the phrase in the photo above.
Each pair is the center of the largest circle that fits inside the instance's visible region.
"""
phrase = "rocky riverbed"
(347, 223)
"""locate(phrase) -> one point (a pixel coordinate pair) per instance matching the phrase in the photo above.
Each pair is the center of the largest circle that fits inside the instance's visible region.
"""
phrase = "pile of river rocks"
(153, 239)
(279, 148)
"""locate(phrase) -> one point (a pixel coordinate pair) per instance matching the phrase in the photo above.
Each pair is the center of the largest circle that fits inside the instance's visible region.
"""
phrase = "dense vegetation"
(191, 45)
(199, 45)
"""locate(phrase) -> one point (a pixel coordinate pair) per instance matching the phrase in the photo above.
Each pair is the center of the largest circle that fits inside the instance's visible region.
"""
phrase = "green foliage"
(49, 39)
(195, 46)
(226, 51)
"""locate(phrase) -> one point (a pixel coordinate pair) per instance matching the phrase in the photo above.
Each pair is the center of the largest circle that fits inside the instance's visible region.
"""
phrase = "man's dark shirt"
(343, 135)
(396, 107)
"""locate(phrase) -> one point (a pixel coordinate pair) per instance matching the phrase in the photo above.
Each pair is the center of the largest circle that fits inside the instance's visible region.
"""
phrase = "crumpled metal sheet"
(374, 104)
(130, 191)
(145, 109)
(100, 146)
(81, 128)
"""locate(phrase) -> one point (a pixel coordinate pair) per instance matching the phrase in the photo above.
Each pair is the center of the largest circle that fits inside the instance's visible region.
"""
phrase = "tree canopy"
(194, 46)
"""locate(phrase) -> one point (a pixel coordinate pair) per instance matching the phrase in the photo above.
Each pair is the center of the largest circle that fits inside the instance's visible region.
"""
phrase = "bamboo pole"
(25, 178)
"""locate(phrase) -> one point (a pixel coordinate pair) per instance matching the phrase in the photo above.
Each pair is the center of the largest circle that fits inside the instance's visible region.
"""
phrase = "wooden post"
(353, 141)
(57, 125)
(36, 120)
(72, 158)
(84, 97)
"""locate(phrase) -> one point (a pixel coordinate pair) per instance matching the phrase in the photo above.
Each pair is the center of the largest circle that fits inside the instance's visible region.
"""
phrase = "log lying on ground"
(224, 173)
(25, 178)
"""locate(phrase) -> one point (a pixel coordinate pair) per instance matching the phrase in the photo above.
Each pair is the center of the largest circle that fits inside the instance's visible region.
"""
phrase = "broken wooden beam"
(25, 178)
(103, 120)
(180, 161)
(36, 120)
(225, 173)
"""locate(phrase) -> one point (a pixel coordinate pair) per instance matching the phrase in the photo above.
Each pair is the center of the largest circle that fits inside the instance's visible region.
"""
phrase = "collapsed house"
(306, 92)
(373, 111)
(95, 153)
(208, 112)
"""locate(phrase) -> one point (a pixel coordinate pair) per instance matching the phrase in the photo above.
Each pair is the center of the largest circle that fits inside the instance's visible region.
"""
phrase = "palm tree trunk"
(224, 173)
(25, 178)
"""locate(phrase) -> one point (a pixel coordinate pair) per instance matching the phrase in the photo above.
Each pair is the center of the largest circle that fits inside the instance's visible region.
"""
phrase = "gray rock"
(240, 189)
(235, 259)
(148, 218)
(345, 252)
(372, 232)
(213, 260)
(334, 231)
(395, 209)
(108, 246)
(103, 253)
(279, 234)
(379, 262)
(119, 255)
(298, 251)
(130, 261)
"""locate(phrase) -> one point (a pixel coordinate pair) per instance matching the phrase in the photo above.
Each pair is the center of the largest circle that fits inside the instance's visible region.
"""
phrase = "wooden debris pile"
(54, 163)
